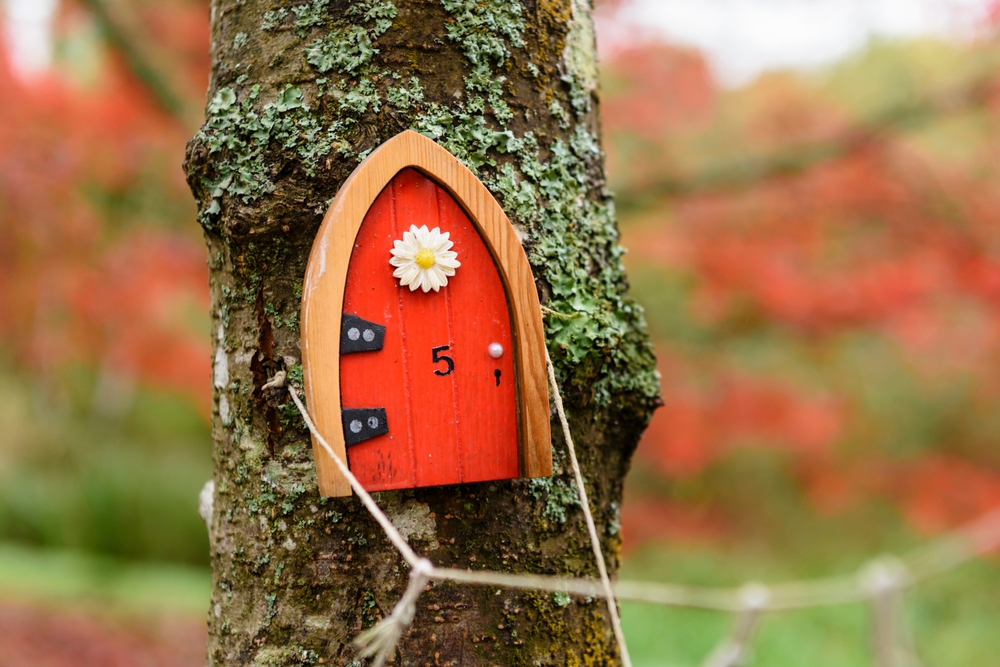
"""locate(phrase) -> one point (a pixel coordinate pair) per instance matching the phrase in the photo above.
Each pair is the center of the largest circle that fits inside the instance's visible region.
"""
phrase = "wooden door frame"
(326, 281)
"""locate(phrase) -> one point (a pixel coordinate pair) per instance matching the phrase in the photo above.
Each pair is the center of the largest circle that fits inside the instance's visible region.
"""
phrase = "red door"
(448, 399)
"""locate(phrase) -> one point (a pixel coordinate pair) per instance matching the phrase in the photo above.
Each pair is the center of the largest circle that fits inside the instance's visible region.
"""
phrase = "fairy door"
(423, 350)
(431, 398)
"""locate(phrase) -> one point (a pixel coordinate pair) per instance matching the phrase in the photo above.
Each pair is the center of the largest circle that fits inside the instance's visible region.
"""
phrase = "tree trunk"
(299, 94)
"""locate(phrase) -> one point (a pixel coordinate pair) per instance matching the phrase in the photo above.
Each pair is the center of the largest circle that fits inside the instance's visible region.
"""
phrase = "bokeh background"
(810, 193)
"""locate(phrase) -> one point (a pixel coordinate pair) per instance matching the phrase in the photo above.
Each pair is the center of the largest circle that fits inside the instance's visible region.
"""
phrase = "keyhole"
(496, 374)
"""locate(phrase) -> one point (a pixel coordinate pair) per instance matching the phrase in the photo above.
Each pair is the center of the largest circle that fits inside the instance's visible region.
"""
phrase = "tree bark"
(299, 94)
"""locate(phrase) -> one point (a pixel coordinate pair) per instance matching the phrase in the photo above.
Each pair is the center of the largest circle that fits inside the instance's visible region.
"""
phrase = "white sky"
(742, 38)
(28, 34)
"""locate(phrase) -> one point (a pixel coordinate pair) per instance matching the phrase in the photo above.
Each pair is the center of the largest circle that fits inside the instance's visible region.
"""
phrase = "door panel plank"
(487, 416)
(443, 429)
(425, 327)
(378, 379)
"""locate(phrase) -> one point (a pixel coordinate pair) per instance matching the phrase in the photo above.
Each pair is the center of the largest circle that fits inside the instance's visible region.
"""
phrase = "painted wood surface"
(325, 289)
(449, 421)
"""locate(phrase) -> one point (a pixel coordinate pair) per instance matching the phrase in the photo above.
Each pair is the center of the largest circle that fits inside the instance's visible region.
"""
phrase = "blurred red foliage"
(695, 428)
(838, 284)
(647, 520)
(100, 260)
(935, 492)
(637, 98)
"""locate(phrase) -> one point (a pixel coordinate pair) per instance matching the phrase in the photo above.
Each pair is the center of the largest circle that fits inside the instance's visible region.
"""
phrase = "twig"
(733, 650)
(556, 313)
(137, 63)
(397, 540)
(750, 171)
(595, 542)
(881, 582)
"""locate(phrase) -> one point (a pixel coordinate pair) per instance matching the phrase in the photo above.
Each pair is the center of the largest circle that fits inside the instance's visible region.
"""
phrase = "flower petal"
(422, 235)
(402, 250)
(439, 276)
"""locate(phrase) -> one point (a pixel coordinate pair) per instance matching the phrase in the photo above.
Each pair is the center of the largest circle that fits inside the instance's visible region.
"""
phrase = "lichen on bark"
(300, 93)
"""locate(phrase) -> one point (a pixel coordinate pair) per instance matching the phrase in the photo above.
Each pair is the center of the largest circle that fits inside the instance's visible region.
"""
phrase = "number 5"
(437, 358)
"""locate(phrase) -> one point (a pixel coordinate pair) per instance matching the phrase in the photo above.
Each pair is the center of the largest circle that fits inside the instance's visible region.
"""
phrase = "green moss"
(573, 242)
(576, 246)
(559, 494)
(295, 375)
(271, 598)
(238, 134)
(277, 319)
(349, 47)
(287, 656)
(360, 98)
(369, 610)
(310, 15)
(406, 96)
(345, 50)
(484, 27)
(580, 57)
(273, 19)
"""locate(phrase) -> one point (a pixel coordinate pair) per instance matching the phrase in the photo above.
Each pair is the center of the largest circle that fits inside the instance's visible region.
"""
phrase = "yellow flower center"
(425, 258)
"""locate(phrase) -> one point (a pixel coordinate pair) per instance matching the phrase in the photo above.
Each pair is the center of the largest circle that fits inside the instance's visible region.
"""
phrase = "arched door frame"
(326, 280)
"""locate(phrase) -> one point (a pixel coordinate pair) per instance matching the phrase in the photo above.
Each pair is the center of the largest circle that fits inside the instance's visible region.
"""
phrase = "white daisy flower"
(423, 259)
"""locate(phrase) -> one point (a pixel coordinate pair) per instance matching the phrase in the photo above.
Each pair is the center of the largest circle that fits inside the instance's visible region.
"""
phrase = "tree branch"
(748, 172)
(120, 40)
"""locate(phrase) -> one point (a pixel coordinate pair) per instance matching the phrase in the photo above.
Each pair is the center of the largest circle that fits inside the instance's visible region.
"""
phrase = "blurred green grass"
(65, 577)
(953, 618)
(79, 475)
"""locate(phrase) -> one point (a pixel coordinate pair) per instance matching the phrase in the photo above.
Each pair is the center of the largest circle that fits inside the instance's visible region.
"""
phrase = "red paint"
(449, 429)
